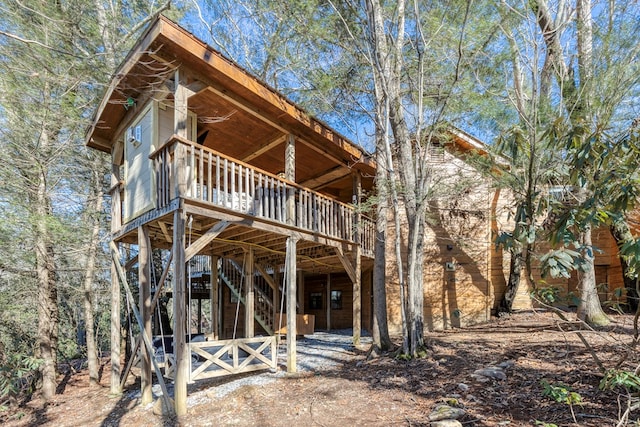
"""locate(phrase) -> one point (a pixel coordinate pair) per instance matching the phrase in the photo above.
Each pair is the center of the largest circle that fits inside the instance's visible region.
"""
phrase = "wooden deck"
(223, 184)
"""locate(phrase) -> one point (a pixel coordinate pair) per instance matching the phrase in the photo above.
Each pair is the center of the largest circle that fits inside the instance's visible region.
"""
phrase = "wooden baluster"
(240, 192)
(217, 197)
(271, 199)
(191, 178)
(232, 193)
(260, 196)
(252, 207)
(299, 209)
(209, 189)
(201, 174)
(225, 190)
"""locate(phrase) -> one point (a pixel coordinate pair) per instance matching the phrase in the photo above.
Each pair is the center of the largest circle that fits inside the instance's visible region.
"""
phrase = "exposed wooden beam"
(264, 148)
(165, 231)
(203, 241)
(326, 178)
(133, 261)
(243, 105)
(346, 263)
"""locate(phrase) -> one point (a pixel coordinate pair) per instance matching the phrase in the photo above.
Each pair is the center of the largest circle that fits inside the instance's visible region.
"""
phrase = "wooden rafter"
(264, 148)
(326, 178)
(346, 263)
(203, 241)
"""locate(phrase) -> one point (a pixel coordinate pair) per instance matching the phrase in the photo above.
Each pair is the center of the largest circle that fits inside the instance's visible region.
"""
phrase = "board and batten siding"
(153, 126)
(139, 183)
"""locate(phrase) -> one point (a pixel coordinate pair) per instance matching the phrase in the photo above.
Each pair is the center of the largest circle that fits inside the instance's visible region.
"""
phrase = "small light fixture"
(130, 102)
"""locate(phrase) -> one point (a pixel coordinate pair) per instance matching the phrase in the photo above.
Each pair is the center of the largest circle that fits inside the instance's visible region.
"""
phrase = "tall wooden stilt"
(215, 301)
(290, 262)
(144, 294)
(180, 348)
(115, 331)
(116, 223)
(179, 319)
(249, 298)
(328, 301)
(290, 283)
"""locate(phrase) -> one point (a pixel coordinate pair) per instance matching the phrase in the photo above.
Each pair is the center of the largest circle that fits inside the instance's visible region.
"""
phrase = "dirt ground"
(387, 391)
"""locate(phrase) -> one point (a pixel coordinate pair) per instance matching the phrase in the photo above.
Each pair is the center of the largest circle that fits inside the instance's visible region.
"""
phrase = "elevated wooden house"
(212, 165)
(252, 203)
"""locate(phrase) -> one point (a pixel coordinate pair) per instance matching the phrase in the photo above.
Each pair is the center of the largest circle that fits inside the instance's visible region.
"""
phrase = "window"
(315, 301)
(336, 300)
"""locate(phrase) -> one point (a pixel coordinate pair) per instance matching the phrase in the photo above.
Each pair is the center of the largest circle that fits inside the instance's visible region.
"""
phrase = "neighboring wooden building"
(465, 275)
(212, 166)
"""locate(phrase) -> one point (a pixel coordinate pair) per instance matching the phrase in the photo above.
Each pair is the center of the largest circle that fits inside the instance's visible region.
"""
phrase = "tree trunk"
(415, 287)
(589, 308)
(515, 272)
(622, 234)
(47, 286)
(90, 269)
(381, 340)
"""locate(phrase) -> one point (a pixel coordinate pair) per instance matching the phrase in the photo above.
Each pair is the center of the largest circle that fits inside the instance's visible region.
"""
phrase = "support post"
(290, 275)
(116, 216)
(300, 293)
(357, 283)
(116, 202)
(115, 329)
(249, 297)
(215, 301)
(328, 302)
(180, 348)
(144, 295)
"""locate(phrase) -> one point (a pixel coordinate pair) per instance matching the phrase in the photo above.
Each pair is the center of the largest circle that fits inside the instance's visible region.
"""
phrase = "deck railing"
(202, 174)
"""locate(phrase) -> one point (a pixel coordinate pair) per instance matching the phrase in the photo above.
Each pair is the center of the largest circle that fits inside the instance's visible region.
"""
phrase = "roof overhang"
(165, 47)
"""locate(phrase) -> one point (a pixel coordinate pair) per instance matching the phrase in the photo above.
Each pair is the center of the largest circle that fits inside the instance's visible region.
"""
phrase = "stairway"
(231, 274)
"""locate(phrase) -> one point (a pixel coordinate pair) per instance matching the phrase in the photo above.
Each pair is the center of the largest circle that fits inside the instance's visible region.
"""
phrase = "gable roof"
(165, 47)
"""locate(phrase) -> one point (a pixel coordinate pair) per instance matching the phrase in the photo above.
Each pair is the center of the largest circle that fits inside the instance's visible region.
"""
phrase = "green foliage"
(561, 393)
(614, 378)
(545, 424)
(547, 294)
(560, 262)
(18, 375)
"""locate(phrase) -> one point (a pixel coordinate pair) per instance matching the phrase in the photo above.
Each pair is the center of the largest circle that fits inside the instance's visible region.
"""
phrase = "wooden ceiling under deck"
(235, 240)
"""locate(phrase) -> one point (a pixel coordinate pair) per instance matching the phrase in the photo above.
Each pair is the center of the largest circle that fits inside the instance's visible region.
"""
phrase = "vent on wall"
(436, 153)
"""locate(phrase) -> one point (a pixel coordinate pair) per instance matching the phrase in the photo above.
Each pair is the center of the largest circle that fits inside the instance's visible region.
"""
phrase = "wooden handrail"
(176, 138)
(215, 178)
